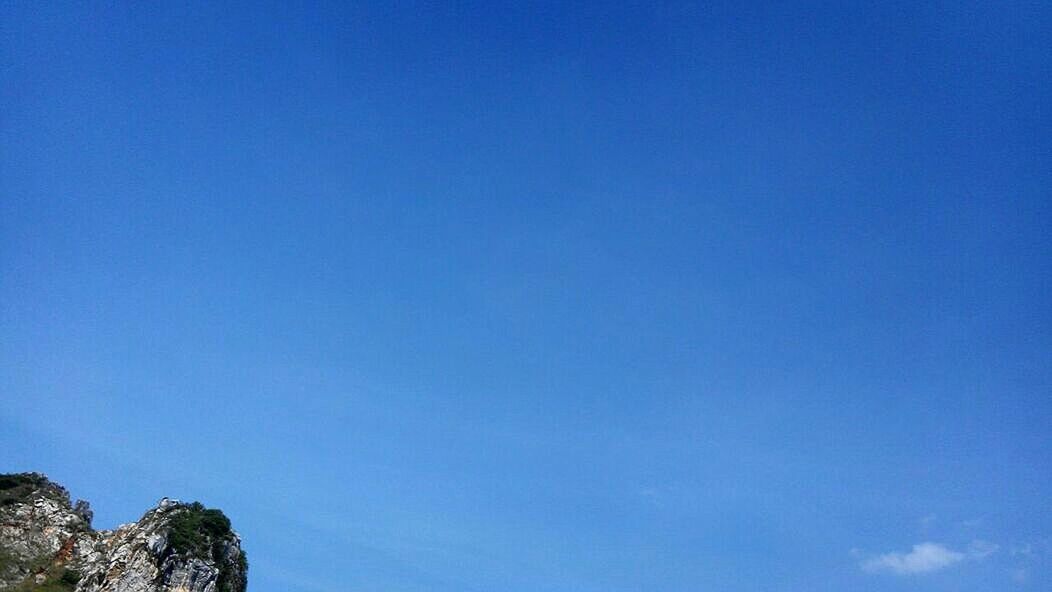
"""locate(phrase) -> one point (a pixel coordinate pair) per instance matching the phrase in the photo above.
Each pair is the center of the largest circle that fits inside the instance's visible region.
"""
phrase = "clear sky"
(533, 297)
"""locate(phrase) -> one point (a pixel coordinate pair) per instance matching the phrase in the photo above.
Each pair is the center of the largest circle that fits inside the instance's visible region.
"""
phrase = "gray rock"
(43, 538)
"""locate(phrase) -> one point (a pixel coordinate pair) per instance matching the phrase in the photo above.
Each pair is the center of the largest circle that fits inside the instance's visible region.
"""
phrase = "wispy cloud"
(926, 557)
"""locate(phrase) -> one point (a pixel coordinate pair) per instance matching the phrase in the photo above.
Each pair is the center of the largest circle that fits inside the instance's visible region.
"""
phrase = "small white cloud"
(925, 557)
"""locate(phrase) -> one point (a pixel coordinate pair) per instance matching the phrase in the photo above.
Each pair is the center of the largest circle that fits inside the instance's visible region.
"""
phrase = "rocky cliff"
(47, 545)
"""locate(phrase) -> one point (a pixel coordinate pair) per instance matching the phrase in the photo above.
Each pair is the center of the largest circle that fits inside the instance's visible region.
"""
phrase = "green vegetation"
(56, 580)
(227, 580)
(7, 561)
(11, 481)
(19, 487)
(69, 577)
(16, 487)
(204, 532)
(196, 529)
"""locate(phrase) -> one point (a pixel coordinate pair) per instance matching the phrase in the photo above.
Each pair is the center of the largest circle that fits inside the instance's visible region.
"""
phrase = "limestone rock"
(47, 545)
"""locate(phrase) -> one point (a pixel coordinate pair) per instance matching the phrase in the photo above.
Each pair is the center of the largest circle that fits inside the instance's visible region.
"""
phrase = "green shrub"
(204, 532)
(226, 582)
(9, 481)
(13, 480)
(69, 577)
(196, 528)
(16, 487)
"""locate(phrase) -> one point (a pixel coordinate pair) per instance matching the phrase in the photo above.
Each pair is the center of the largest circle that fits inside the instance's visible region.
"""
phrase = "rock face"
(47, 545)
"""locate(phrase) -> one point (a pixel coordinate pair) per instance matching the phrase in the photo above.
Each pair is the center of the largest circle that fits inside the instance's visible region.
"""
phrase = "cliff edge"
(47, 544)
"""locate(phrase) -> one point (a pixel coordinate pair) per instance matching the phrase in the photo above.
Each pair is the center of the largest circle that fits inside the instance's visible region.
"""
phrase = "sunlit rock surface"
(47, 545)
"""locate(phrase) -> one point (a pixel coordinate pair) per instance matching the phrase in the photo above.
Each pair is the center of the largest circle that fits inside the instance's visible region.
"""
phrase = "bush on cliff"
(203, 532)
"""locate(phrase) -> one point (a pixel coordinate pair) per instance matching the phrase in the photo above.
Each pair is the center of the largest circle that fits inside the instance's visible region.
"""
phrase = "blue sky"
(531, 297)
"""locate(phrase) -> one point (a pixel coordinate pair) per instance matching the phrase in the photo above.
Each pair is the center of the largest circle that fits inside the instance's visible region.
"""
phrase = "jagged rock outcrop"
(47, 545)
